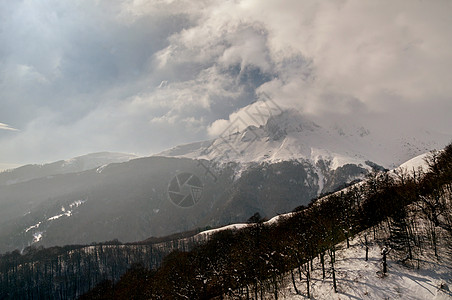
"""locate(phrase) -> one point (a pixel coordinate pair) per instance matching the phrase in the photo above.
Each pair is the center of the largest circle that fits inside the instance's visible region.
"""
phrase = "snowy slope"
(416, 163)
(208, 233)
(285, 137)
(205, 235)
(360, 279)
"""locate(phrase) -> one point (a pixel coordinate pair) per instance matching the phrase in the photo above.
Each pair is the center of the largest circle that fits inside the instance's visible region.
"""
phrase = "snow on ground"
(33, 227)
(67, 214)
(238, 226)
(101, 168)
(277, 218)
(415, 163)
(37, 236)
(360, 279)
(77, 203)
(208, 233)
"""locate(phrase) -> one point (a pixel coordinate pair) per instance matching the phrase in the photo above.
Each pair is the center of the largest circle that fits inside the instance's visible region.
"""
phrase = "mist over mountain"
(73, 165)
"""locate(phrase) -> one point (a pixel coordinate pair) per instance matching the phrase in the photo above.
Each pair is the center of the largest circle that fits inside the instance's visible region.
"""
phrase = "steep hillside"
(127, 201)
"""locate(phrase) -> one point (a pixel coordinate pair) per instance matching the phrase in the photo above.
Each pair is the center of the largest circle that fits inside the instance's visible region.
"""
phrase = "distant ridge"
(73, 165)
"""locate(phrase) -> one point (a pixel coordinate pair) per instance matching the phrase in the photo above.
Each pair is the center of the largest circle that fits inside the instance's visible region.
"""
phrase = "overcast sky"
(141, 76)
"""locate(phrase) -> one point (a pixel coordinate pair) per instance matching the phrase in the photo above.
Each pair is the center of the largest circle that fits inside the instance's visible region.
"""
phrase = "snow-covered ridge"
(93, 160)
(417, 163)
(208, 233)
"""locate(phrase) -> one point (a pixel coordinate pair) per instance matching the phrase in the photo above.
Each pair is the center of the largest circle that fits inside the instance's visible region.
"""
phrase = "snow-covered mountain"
(291, 136)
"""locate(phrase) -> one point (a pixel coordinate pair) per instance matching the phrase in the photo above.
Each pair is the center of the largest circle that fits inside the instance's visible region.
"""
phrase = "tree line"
(70, 271)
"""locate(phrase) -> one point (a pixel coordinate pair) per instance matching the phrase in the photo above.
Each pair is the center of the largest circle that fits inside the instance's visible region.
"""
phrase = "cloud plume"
(141, 76)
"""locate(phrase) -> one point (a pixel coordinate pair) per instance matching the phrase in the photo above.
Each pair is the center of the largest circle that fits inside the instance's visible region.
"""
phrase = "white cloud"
(358, 57)
(255, 114)
(4, 126)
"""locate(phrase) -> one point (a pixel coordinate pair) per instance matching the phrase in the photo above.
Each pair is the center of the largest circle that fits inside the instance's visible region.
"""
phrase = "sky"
(142, 76)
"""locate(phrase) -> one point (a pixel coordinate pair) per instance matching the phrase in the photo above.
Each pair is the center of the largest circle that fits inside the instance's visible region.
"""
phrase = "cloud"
(371, 61)
(141, 76)
(4, 126)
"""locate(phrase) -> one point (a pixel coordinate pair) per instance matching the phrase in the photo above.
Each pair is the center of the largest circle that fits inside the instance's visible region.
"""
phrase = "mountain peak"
(289, 121)
(291, 135)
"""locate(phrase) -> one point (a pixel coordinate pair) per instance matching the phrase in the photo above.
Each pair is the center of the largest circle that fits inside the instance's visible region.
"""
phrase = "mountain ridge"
(72, 165)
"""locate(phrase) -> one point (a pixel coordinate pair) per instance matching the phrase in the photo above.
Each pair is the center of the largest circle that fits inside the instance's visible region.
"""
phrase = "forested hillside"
(254, 261)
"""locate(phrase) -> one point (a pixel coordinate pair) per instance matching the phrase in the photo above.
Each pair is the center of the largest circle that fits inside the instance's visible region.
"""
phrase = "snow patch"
(67, 214)
(76, 203)
(32, 227)
(101, 168)
(210, 232)
(37, 236)
(278, 218)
